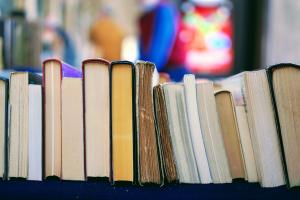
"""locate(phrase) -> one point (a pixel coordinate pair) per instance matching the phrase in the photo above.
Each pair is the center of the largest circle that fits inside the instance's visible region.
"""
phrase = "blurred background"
(210, 38)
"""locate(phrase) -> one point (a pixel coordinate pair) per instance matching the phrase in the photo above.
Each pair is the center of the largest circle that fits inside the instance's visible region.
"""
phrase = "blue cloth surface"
(103, 190)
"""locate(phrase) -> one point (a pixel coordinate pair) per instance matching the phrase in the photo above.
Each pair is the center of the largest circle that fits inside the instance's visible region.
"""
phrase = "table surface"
(103, 190)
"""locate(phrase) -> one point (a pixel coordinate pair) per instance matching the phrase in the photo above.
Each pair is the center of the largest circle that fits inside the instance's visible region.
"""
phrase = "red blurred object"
(204, 40)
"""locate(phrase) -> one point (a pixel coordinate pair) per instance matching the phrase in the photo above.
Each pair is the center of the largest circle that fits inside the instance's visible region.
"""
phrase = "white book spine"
(195, 129)
(97, 118)
(35, 133)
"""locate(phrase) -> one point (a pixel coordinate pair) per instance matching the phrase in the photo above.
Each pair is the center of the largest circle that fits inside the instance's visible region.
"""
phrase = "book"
(3, 125)
(72, 129)
(53, 71)
(164, 137)
(196, 133)
(186, 165)
(212, 135)
(234, 86)
(252, 89)
(96, 86)
(35, 158)
(149, 167)
(19, 120)
(284, 84)
(123, 122)
(228, 121)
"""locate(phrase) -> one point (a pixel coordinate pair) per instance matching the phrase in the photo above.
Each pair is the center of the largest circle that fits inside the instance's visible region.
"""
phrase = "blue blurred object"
(68, 47)
(177, 73)
(25, 69)
(158, 32)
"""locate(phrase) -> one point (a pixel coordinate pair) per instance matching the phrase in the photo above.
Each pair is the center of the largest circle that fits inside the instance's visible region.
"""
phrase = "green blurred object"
(21, 45)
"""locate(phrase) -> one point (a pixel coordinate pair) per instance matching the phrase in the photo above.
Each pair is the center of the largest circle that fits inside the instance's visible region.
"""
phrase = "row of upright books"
(116, 121)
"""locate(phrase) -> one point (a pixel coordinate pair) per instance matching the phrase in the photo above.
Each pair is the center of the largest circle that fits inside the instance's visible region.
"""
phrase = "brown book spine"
(168, 159)
(148, 154)
(230, 132)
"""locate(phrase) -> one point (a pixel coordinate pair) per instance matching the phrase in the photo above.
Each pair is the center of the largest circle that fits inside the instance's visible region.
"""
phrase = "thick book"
(186, 165)
(284, 84)
(251, 89)
(4, 82)
(20, 123)
(228, 122)
(123, 123)
(96, 85)
(164, 138)
(149, 166)
(53, 72)
(212, 135)
(197, 135)
(72, 130)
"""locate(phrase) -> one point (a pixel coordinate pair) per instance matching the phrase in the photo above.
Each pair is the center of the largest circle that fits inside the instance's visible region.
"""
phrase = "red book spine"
(44, 110)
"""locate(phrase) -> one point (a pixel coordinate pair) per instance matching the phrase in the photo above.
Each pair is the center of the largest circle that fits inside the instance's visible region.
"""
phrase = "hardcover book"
(123, 122)
(53, 72)
(72, 129)
(284, 84)
(96, 86)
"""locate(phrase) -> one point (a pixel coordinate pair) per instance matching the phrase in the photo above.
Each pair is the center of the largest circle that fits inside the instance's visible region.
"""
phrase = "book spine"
(102, 61)
(135, 166)
(135, 147)
(43, 122)
(44, 111)
(158, 135)
(111, 180)
(84, 123)
(5, 175)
